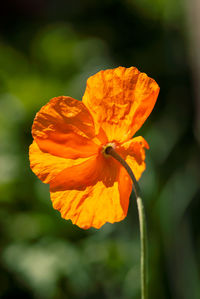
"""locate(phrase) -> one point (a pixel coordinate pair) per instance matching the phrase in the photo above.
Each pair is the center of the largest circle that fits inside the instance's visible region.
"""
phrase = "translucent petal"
(133, 151)
(120, 100)
(64, 128)
(96, 204)
(47, 166)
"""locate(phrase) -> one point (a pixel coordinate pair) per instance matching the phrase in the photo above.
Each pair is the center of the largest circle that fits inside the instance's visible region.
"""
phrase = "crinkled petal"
(96, 204)
(133, 151)
(65, 128)
(94, 169)
(120, 100)
(78, 176)
(47, 166)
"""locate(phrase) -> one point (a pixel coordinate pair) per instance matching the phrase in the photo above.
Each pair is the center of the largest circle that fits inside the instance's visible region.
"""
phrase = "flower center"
(106, 147)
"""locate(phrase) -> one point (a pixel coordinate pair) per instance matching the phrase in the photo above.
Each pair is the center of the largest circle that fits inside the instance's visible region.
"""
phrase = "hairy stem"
(142, 221)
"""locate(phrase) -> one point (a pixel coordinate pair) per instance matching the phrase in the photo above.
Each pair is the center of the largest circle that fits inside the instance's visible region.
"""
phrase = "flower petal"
(120, 100)
(78, 176)
(133, 151)
(64, 128)
(94, 169)
(96, 204)
(47, 166)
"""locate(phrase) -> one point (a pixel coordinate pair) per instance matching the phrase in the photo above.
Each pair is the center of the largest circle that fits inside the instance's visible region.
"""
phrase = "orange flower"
(70, 137)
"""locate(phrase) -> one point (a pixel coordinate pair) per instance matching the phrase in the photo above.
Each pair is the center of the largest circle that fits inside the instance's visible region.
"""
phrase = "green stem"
(143, 234)
(143, 240)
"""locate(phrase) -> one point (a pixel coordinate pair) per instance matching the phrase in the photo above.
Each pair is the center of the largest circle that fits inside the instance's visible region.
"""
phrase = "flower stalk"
(142, 221)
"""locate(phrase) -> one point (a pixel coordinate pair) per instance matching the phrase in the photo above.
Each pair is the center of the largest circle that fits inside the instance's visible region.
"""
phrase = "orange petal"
(64, 128)
(78, 176)
(96, 204)
(94, 169)
(47, 166)
(120, 100)
(133, 151)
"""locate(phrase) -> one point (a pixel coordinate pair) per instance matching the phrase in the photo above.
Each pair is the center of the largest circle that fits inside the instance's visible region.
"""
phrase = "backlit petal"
(94, 169)
(96, 204)
(64, 128)
(133, 151)
(77, 177)
(120, 100)
(47, 166)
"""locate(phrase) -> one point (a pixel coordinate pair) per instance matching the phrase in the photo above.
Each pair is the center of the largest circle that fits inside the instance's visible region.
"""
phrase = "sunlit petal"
(120, 100)
(47, 166)
(65, 128)
(96, 204)
(133, 151)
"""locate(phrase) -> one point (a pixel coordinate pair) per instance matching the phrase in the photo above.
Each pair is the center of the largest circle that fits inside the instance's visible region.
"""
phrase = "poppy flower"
(70, 139)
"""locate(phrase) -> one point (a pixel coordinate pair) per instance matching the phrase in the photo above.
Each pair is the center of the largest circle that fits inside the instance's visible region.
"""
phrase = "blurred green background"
(50, 48)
